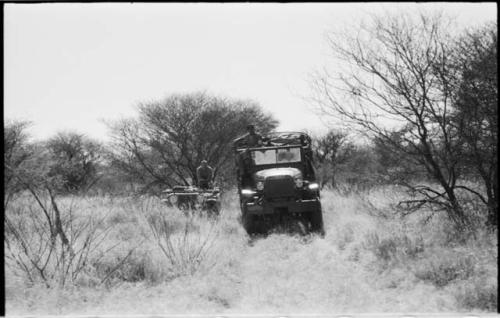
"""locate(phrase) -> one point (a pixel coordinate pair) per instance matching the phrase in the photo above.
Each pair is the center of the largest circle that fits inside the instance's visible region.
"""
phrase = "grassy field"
(153, 260)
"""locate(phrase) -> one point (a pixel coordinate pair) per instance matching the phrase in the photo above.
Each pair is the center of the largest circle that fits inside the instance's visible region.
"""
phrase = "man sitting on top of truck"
(252, 139)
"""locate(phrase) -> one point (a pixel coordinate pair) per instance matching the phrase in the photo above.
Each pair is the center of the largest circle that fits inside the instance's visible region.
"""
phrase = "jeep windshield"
(276, 156)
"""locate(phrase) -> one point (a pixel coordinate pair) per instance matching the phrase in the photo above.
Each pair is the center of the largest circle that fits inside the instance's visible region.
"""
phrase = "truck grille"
(279, 186)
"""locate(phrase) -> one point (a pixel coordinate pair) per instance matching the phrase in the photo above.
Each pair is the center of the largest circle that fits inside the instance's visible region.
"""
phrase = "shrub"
(478, 293)
(186, 248)
(394, 247)
(345, 235)
(135, 266)
(443, 267)
(34, 250)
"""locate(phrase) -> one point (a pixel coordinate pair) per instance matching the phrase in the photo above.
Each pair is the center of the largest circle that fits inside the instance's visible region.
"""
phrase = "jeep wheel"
(214, 212)
(212, 209)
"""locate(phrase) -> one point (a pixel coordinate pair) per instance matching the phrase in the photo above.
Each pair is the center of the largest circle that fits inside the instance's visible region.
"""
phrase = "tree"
(393, 163)
(73, 161)
(32, 174)
(165, 145)
(476, 115)
(397, 76)
(62, 164)
(329, 151)
(16, 152)
(361, 171)
(50, 243)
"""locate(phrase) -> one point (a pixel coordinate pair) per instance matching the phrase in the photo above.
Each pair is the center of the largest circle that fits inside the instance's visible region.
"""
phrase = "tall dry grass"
(157, 261)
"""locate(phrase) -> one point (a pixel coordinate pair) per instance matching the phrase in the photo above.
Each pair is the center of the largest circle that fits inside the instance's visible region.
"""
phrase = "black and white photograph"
(250, 159)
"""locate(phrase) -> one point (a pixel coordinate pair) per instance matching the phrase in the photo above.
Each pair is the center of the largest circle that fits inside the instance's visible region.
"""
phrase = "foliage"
(476, 114)
(74, 161)
(330, 151)
(48, 243)
(398, 88)
(171, 137)
(16, 153)
(32, 247)
(446, 268)
(346, 166)
(371, 260)
(187, 250)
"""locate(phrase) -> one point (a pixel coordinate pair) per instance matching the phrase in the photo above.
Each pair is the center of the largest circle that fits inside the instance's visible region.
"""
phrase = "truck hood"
(264, 174)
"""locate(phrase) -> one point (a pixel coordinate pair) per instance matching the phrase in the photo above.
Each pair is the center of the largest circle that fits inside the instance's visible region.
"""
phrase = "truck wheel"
(251, 224)
(317, 222)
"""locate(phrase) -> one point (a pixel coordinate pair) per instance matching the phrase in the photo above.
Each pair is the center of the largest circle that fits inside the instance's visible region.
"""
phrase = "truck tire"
(249, 223)
(252, 224)
(317, 225)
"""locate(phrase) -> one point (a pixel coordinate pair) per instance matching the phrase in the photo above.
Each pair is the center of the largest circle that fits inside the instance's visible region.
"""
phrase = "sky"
(71, 67)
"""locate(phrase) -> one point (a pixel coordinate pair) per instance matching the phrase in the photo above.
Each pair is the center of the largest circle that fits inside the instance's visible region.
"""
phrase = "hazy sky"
(67, 66)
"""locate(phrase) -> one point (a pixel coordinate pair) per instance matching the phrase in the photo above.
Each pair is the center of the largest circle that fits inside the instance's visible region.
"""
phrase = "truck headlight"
(247, 192)
(299, 182)
(313, 186)
(260, 185)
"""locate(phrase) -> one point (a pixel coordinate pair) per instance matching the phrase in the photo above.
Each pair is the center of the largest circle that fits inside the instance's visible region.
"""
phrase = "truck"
(277, 183)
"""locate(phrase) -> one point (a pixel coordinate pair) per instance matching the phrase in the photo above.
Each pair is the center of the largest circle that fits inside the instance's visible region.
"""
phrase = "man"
(204, 174)
(252, 139)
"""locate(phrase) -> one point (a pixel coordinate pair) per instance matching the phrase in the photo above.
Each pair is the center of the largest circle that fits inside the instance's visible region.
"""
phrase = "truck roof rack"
(274, 139)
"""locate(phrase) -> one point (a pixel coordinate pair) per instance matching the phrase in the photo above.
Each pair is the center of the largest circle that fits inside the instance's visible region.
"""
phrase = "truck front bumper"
(299, 206)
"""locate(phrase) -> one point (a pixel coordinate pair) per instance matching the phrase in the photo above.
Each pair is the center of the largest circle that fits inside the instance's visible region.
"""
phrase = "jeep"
(191, 198)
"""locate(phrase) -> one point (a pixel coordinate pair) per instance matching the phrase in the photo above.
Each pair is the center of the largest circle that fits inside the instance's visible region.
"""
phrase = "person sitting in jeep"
(204, 174)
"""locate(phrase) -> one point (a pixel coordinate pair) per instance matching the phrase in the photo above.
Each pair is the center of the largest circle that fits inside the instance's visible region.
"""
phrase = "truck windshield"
(274, 156)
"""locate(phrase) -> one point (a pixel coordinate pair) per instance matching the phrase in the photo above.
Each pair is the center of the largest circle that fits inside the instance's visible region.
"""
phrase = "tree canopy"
(169, 139)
